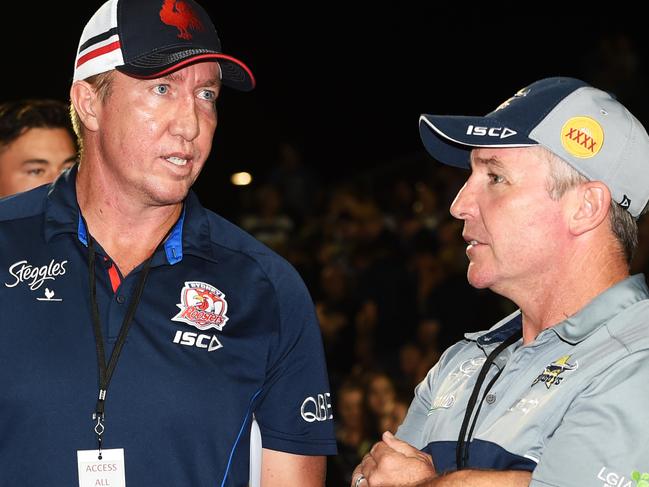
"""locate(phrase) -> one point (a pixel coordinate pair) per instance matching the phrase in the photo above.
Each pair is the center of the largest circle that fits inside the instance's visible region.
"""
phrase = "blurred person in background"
(36, 143)
(269, 223)
(353, 433)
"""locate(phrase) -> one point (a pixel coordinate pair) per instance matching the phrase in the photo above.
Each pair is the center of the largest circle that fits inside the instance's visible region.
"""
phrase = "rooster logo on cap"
(181, 15)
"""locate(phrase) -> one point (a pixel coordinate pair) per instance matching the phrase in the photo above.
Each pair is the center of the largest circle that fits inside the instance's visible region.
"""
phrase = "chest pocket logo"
(455, 382)
(203, 306)
(551, 375)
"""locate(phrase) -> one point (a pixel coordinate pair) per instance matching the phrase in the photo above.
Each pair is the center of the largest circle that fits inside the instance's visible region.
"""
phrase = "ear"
(592, 201)
(84, 99)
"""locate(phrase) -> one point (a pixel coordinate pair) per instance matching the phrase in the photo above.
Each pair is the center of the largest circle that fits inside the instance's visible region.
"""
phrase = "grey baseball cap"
(583, 125)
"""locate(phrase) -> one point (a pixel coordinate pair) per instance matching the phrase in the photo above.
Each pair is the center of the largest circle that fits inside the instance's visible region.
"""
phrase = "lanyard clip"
(98, 416)
(99, 430)
(99, 426)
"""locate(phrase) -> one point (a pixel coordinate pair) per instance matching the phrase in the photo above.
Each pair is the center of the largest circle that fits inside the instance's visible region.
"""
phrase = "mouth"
(177, 161)
(473, 243)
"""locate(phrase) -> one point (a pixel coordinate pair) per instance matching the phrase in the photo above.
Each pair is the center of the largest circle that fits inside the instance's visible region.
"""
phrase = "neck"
(127, 229)
(569, 288)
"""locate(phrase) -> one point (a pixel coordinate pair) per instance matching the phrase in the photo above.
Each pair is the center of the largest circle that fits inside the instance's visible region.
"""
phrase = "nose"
(184, 120)
(464, 205)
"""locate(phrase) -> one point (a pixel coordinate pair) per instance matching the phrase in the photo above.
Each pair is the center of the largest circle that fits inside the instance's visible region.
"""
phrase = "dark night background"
(348, 83)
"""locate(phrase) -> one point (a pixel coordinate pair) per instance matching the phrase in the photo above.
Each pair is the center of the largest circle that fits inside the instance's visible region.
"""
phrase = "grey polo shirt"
(572, 406)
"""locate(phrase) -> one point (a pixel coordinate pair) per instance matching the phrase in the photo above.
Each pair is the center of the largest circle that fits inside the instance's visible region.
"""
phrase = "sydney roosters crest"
(202, 306)
(180, 14)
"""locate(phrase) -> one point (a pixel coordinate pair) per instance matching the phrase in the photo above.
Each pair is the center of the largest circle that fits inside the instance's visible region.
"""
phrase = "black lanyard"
(106, 371)
(463, 442)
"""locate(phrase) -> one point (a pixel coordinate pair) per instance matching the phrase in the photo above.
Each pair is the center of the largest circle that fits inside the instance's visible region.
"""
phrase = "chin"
(171, 196)
(477, 279)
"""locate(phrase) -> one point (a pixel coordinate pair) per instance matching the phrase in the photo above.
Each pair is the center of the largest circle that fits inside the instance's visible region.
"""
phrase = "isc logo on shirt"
(192, 339)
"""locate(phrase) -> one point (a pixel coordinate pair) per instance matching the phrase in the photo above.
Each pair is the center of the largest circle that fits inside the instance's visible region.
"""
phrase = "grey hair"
(563, 177)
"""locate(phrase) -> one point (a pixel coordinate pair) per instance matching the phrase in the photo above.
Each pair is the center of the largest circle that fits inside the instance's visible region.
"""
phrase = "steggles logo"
(35, 276)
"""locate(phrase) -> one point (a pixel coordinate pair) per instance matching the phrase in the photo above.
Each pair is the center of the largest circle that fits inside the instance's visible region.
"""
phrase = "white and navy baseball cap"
(152, 38)
(584, 126)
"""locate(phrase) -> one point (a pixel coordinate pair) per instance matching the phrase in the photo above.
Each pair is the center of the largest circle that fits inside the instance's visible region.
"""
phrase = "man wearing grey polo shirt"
(556, 394)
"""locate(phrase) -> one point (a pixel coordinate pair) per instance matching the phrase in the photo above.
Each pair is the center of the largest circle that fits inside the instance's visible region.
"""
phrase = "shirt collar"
(582, 324)
(601, 309)
(498, 333)
(190, 234)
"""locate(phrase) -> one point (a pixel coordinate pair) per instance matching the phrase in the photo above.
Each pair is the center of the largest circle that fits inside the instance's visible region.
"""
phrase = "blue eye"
(207, 95)
(161, 89)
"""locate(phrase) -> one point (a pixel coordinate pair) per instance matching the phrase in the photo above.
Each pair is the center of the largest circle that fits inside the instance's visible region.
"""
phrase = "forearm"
(481, 478)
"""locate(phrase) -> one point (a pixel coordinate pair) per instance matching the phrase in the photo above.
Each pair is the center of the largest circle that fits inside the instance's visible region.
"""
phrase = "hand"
(394, 463)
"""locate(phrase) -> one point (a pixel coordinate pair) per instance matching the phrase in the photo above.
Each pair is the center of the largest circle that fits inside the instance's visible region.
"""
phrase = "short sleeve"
(411, 430)
(294, 408)
(602, 438)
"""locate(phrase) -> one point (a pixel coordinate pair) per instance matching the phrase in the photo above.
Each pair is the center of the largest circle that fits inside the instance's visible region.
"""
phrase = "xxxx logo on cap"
(582, 137)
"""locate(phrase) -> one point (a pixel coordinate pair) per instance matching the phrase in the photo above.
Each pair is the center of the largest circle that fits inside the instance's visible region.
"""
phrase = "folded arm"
(395, 463)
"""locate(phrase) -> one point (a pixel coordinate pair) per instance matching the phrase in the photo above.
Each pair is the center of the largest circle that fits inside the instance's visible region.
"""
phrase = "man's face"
(155, 135)
(515, 231)
(36, 157)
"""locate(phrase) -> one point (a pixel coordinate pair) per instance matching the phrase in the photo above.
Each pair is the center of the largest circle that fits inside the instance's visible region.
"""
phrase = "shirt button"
(120, 299)
(491, 398)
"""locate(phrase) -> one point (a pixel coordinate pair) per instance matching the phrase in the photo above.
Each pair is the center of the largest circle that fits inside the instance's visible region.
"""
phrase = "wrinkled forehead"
(506, 158)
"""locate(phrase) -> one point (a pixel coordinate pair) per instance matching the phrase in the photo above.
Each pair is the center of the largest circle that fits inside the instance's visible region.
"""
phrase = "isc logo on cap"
(500, 132)
(582, 137)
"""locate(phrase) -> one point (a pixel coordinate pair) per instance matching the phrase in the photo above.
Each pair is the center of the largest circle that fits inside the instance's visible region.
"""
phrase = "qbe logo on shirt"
(317, 408)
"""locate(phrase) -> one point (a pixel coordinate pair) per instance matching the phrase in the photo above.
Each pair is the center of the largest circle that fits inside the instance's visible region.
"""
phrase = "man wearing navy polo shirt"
(139, 332)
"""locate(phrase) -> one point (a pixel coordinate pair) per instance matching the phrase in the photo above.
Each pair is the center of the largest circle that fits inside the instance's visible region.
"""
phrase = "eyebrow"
(35, 161)
(45, 161)
(488, 161)
(179, 77)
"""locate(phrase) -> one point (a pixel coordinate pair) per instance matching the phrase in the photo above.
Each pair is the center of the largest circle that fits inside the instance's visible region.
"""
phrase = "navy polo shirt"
(225, 329)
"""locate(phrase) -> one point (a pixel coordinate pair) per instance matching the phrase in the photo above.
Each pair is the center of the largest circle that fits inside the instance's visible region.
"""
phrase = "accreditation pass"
(109, 471)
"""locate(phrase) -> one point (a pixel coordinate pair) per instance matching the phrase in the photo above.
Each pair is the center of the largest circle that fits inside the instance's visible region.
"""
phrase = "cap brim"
(449, 139)
(234, 73)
